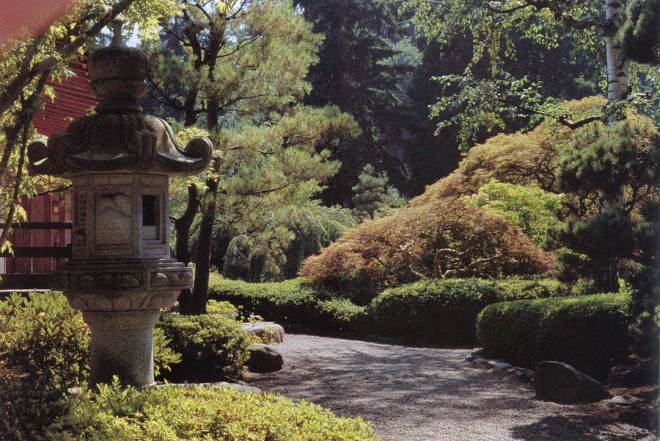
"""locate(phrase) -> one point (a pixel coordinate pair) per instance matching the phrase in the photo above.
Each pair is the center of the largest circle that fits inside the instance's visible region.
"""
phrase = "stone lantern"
(120, 274)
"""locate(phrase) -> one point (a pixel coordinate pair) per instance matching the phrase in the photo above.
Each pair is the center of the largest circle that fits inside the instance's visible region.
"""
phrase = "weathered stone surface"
(522, 374)
(268, 331)
(501, 367)
(624, 401)
(122, 345)
(631, 376)
(120, 273)
(237, 386)
(479, 362)
(264, 359)
(562, 383)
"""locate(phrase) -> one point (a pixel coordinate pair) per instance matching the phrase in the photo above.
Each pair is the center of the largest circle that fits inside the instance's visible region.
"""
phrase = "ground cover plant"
(218, 413)
(43, 351)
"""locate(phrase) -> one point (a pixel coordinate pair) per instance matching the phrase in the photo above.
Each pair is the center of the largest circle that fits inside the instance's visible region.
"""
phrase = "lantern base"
(122, 345)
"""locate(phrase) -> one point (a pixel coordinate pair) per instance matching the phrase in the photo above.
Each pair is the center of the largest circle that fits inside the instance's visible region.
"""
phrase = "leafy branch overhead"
(489, 95)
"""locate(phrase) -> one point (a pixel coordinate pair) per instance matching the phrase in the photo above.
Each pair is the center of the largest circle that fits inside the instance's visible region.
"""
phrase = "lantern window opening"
(150, 217)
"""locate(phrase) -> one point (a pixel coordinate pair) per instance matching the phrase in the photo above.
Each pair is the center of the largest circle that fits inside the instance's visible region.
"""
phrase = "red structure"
(72, 100)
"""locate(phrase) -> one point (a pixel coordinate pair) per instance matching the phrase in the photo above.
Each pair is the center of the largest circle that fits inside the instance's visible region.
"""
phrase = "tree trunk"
(617, 90)
(203, 252)
(182, 226)
(617, 63)
(617, 84)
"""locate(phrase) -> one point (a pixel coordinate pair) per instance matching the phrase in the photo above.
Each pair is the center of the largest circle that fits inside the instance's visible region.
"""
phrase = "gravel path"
(422, 394)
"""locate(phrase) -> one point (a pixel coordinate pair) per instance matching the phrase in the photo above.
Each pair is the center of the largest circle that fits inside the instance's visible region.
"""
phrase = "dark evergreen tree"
(357, 72)
(373, 194)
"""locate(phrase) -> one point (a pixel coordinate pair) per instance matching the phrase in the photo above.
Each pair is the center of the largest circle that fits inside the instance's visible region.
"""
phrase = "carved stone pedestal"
(122, 345)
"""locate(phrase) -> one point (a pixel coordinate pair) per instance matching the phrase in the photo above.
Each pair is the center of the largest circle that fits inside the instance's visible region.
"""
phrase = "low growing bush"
(218, 413)
(529, 289)
(288, 302)
(340, 315)
(44, 338)
(588, 332)
(212, 347)
(435, 311)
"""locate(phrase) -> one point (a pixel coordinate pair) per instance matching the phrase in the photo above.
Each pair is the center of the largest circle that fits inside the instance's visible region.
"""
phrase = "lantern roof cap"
(120, 137)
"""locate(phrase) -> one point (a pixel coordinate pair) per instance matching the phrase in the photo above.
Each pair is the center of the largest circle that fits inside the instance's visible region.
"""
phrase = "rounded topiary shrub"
(588, 332)
(212, 347)
(442, 312)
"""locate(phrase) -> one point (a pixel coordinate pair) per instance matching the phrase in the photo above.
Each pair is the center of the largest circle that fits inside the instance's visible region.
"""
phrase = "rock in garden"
(479, 362)
(264, 359)
(501, 367)
(631, 376)
(562, 383)
(522, 374)
(267, 331)
(624, 401)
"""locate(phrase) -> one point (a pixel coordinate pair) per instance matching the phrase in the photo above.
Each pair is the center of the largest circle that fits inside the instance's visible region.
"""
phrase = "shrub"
(47, 340)
(217, 413)
(528, 289)
(440, 312)
(26, 410)
(588, 332)
(222, 308)
(291, 303)
(442, 239)
(288, 302)
(528, 206)
(44, 338)
(212, 347)
(340, 315)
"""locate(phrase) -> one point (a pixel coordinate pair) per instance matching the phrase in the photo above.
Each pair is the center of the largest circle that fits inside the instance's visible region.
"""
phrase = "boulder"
(264, 359)
(267, 331)
(624, 401)
(631, 376)
(562, 383)
(521, 374)
(502, 367)
(479, 362)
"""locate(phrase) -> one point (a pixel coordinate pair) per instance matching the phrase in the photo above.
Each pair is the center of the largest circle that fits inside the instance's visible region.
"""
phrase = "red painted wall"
(72, 99)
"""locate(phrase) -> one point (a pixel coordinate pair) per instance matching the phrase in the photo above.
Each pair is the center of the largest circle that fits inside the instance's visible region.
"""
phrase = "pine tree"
(237, 71)
(373, 194)
(360, 70)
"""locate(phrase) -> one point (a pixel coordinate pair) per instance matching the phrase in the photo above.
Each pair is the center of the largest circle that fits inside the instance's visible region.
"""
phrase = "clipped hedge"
(212, 347)
(291, 303)
(588, 332)
(288, 302)
(217, 413)
(435, 311)
(528, 289)
(295, 304)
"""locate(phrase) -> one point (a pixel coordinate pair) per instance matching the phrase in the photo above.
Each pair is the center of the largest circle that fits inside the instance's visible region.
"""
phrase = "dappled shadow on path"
(426, 394)
(577, 427)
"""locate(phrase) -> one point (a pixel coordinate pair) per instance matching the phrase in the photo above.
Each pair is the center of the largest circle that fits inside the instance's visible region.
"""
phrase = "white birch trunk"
(617, 64)
(617, 81)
